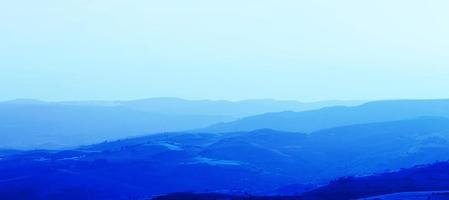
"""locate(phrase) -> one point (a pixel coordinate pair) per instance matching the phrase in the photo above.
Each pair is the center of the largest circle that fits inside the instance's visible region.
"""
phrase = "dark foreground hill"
(309, 121)
(263, 162)
(430, 178)
(419, 182)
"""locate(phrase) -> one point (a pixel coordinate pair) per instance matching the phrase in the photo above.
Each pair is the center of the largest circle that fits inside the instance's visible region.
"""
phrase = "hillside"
(314, 120)
(229, 109)
(29, 124)
(259, 162)
(416, 183)
(410, 182)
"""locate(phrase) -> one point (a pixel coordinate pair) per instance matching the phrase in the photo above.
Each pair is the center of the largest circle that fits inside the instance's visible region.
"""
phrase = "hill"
(28, 124)
(314, 120)
(420, 181)
(260, 162)
(230, 109)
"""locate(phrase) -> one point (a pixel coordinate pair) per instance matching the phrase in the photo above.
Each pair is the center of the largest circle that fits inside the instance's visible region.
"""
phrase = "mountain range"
(334, 152)
(28, 124)
(178, 106)
(261, 162)
(328, 117)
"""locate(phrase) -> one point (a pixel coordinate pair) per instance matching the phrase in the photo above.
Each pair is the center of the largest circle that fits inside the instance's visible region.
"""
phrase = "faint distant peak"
(407, 102)
(24, 101)
(91, 103)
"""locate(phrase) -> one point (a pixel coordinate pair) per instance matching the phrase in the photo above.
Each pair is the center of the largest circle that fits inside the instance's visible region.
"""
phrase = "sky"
(233, 49)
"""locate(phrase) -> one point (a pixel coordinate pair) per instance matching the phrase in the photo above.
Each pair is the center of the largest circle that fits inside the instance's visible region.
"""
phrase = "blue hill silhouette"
(309, 121)
(260, 162)
(28, 124)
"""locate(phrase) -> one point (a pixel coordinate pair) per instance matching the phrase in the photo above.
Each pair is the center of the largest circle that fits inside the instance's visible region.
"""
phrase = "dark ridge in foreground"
(434, 177)
(420, 182)
(216, 196)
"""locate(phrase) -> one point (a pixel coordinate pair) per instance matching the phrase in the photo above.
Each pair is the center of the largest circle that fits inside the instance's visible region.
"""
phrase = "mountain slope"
(258, 162)
(27, 123)
(55, 125)
(434, 177)
(416, 183)
(309, 121)
(231, 109)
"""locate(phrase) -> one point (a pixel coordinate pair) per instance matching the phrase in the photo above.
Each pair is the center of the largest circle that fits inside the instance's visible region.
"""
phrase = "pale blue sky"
(233, 49)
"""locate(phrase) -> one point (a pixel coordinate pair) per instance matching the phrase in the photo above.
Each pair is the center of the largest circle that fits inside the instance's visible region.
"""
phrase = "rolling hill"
(28, 124)
(230, 109)
(420, 181)
(314, 120)
(416, 183)
(258, 162)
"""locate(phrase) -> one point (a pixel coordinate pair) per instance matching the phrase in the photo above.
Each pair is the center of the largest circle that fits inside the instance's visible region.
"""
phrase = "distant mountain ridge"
(313, 120)
(178, 106)
(28, 123)
(341, 142)
(63, 124)
(49, 125)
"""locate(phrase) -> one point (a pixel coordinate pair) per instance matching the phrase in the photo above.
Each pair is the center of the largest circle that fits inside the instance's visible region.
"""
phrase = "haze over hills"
(55, 125)
(38, 124)
(338, 141)
(309, 121)
(28, 123)
(288, 100)
(257, 162)
(231, 109)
